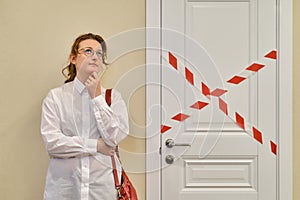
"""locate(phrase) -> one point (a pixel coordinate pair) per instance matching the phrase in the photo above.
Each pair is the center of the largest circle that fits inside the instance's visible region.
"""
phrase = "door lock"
(169, 159)
(170, 143)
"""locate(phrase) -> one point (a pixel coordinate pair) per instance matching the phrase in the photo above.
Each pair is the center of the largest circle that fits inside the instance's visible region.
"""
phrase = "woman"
(80, 130)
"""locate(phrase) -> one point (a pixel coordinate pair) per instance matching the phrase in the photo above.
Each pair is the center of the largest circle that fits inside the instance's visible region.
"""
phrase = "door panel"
(216, 158)
(203, 25)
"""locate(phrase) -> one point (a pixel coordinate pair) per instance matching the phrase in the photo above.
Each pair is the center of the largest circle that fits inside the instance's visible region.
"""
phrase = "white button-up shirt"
(71, 124)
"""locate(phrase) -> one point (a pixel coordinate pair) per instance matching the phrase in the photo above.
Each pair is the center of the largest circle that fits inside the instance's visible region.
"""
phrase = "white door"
(219, 131)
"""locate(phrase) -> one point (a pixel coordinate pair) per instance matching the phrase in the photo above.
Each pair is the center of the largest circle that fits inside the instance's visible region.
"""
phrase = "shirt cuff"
(91, 145)
(100, 101)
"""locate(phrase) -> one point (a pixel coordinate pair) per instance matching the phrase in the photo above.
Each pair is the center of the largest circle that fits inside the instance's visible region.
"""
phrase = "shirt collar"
(78, 85)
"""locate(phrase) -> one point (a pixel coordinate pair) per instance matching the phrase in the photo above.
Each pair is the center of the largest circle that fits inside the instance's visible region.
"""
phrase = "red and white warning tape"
(188, 74)
(253, 68)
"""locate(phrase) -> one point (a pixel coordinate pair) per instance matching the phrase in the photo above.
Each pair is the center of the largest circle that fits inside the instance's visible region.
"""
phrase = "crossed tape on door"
(218, 92)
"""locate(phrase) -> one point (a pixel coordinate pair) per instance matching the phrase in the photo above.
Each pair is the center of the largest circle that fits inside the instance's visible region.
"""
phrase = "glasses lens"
(99, 54)
(88, 52)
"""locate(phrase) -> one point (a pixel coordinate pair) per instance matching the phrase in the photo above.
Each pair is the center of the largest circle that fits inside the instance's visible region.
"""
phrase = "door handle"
(170, 143)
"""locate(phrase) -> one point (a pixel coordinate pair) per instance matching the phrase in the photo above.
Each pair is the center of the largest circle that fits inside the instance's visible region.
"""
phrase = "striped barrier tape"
(189, 76)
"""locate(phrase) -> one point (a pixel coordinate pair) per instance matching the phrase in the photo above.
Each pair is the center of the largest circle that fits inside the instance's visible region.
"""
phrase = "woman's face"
(88, 59)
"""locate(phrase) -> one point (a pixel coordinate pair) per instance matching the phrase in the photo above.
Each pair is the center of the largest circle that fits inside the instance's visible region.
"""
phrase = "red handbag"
(126, 190)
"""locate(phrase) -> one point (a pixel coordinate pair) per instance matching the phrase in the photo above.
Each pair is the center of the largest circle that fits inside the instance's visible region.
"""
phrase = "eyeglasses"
(89, 52)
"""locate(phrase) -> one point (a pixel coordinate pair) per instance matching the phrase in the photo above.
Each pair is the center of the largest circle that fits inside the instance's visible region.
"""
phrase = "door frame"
(153, 94)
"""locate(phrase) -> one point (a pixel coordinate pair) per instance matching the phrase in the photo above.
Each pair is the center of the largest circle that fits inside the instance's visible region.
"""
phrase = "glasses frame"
(98, 53)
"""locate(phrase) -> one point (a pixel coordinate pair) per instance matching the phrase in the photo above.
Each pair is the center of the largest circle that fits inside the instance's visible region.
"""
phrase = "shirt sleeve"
(57, 144)
(112, 121)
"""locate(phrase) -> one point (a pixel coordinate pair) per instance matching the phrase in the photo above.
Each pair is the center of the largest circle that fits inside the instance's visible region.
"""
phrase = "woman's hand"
(104, 148)
(93, 85)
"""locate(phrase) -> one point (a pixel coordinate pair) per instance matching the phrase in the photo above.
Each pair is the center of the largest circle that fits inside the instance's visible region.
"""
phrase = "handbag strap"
(108, 96)
(117, 183)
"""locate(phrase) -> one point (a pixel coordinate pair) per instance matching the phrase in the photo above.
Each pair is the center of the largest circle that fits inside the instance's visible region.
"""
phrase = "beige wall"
(35, 40)
(296, 99)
